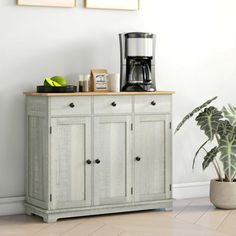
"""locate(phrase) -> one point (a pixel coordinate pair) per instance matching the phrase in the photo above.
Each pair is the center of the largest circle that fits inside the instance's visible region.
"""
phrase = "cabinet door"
(70, 174)
(152, 157)
(112, 169)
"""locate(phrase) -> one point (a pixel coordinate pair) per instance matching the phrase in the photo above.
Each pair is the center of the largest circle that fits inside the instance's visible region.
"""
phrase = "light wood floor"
(193, 217)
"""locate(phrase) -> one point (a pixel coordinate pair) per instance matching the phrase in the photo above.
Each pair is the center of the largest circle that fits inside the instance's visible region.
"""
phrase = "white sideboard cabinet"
(98, 153)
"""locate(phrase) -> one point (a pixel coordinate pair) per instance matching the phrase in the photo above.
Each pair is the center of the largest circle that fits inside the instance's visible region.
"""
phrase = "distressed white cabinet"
(152, 153)
(112, 169)
(70, 152)
(97, 153)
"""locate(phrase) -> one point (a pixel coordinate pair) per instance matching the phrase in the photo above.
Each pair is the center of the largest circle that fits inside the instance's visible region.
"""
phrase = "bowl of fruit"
(56, 84)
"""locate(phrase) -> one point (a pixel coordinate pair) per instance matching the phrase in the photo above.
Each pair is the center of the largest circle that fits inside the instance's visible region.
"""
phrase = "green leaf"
(199, 149)
(227, 148)
(189, 115)
(230, 114)
(209, 121)
(226, 128)
(210, 156)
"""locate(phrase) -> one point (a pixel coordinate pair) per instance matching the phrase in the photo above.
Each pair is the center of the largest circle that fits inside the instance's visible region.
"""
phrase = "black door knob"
(72, 105)
(138, 159)
(153, 103)
(97, 161)
(88, 162)
(113, 104)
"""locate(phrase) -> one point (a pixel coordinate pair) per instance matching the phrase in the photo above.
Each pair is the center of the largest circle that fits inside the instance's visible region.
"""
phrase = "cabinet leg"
(168, 209)
(28, 212)
(50, 219)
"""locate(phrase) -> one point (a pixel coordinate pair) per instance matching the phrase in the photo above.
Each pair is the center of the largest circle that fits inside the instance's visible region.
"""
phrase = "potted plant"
(219, 127)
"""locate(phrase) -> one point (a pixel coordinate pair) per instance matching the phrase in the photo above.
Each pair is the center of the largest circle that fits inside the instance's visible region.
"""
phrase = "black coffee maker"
(137, 61)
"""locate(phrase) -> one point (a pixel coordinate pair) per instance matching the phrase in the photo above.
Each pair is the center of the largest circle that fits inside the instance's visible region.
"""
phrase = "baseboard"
(15, 205)
(191, 190)
(12, 206)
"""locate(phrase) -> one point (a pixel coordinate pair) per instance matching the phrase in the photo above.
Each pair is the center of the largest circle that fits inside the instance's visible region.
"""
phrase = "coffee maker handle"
(146, 73)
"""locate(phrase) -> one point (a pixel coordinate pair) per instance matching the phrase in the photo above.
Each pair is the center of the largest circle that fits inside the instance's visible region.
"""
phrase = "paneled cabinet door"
(71, 162)
(112, 162)
(152, 157)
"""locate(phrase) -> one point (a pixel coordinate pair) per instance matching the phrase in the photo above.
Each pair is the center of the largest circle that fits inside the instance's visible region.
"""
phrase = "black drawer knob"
(113, 104)
(138, 159)
(88, 162)
(97, 161)
(153, 103)
(72, 105)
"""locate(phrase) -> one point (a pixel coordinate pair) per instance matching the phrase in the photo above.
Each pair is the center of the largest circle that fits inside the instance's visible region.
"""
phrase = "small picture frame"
(47, 3)
(131, 5)
(99, 80)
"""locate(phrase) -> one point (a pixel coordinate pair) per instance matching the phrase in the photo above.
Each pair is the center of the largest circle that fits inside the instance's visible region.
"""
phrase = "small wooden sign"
(99, 80)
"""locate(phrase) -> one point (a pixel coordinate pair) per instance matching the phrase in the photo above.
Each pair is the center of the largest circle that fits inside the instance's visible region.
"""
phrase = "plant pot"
(223, 194)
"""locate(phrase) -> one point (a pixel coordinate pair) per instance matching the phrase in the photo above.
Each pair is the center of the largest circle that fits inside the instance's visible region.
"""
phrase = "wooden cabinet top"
(98, 93)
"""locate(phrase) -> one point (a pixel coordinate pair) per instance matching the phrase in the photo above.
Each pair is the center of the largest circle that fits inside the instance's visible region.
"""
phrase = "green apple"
(60, 80)
(49, 82)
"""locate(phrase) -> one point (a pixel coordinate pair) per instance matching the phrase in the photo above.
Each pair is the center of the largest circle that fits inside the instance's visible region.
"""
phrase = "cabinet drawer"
(70, 106)
(152, 104)
(112, 104)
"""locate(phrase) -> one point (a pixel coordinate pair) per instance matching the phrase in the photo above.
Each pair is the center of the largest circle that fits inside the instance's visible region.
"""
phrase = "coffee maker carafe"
(137, 62)
(139, 76)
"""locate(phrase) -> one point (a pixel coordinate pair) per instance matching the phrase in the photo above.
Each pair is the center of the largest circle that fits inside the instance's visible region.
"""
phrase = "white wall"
(196, 57)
